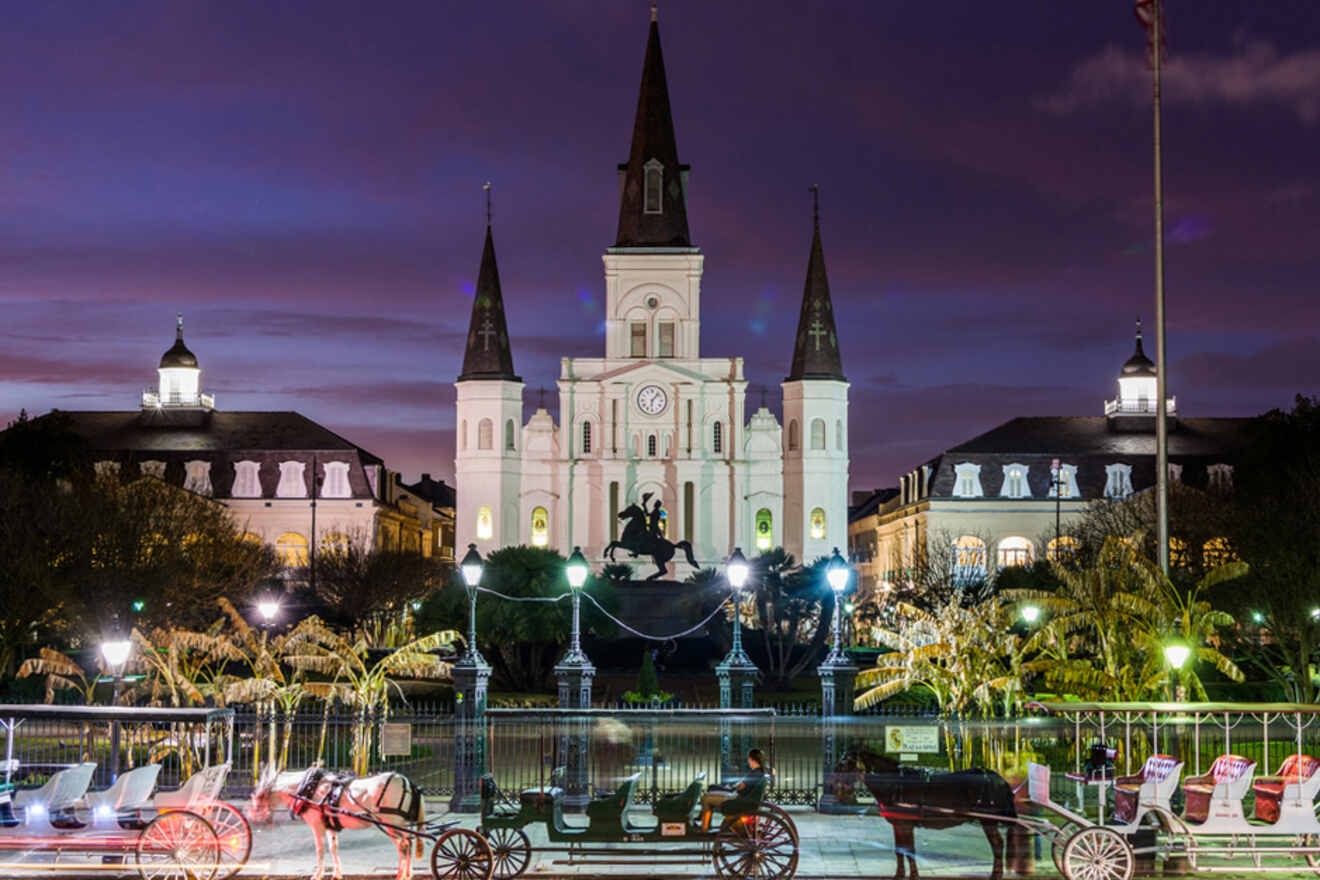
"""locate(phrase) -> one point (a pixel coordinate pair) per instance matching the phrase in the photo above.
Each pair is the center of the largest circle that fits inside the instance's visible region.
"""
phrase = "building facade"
(651, 419)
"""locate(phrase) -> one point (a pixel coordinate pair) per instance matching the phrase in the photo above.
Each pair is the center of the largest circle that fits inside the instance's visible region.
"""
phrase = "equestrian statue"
(643, 536)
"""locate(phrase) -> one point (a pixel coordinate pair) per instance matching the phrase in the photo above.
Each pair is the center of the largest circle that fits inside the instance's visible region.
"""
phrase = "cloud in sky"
(1257, 74)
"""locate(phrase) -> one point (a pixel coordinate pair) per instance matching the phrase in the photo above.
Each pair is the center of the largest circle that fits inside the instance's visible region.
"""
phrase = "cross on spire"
(815, 205)
(811, 359)
(486, 187)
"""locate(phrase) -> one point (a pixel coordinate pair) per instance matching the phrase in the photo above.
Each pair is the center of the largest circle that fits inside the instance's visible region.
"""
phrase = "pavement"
(833, 847)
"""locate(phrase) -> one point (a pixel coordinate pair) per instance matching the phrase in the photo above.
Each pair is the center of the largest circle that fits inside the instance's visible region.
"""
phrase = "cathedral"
(652, 419)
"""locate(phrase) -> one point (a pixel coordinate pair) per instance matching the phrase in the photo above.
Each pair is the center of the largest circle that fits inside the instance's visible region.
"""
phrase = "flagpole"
(1161, 389)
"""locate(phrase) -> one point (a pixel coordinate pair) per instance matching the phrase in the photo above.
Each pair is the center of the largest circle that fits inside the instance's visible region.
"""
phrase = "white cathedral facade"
(652, 418)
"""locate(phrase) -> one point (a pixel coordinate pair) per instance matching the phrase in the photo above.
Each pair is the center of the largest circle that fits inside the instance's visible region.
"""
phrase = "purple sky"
(303, 180)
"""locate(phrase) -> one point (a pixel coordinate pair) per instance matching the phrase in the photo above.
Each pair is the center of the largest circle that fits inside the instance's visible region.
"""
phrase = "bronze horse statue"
(911, 798)
(643, 538)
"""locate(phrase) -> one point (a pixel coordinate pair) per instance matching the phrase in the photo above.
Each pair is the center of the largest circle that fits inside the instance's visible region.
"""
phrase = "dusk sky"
(303, 181)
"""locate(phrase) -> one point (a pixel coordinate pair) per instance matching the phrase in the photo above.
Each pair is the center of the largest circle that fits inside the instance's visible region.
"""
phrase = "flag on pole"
(1145, 12)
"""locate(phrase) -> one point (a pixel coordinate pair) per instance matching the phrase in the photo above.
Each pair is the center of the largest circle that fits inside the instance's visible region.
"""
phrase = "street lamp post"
(837, 573)
(1176, 654)
(470, 675)
(574, 674)
(837, 677)
(576, 571)
(472, 569)
(736, 674)
(115, 650)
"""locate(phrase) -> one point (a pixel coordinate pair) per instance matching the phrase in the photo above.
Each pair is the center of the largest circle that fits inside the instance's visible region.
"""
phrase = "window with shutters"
(292, 484)
(717, 439)
(586, 438)
(197, 477)
(1015, 482)
(637, 339)
(247, 482)
(967, 480)
(650, 446)
(1118, 480)
(666, 339)
(818, 434)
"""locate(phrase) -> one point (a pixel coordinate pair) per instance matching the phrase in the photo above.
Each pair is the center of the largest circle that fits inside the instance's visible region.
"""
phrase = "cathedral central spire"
(653, 206)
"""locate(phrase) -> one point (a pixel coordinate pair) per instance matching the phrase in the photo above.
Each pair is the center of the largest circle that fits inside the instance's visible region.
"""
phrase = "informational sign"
(395, 738)
(923, 738)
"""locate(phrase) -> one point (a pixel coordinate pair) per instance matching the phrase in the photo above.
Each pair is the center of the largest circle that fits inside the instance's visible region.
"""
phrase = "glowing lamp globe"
(1177, 655)
(577, 569)
(471, 567)
(269, 609)
(737, 569)
(837, 573)
(1030, 613)
(116, 651)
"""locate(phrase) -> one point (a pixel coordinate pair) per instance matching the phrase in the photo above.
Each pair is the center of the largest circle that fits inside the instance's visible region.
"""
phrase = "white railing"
(154, 399)
(1138, 407)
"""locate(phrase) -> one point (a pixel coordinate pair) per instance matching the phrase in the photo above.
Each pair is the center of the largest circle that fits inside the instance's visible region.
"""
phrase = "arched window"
(334, 543)
(838, 435)
(650, 445)
(1217, 551)
(485, 524)
(793, 435)
(765, 530)
(1118, 480)
(967, 481)
(1063, 549)
(816, 524)
(1015, 482)
(252, 538)
(586, 438)
(717, 438)
(510, 430)
(540, 527)
(818, 434)
(654, 187)
(462, 435)
(292, 484)
(336, 483)
(968, 558)
(247, 480)
(485, 432)
(1015, 551)
(291, 550)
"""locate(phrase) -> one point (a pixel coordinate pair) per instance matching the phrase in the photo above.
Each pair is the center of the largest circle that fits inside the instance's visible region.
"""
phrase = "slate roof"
(872, 503)
(438, 492)
(217, 431)
(653, 138)
(488, 354)
(816, 349)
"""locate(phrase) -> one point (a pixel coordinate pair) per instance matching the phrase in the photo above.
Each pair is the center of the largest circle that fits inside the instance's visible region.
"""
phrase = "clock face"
(652, 400)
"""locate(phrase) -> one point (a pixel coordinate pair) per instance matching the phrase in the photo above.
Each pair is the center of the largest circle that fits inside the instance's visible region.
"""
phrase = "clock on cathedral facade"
(652, 417)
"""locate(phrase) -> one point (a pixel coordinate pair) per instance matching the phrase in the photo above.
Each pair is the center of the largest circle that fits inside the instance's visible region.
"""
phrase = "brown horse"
(362, 796)
(911, 798)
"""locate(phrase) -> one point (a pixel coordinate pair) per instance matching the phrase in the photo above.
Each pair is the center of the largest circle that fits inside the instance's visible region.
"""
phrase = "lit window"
(817, 433)
(485, 434)
(540, 527)
(334, 544)
(1063, 481)
(336, 481)
(291, 550)
(197, 477)
(718, 438)
(1015, 482)
(292, 484)
(153, 469)
(107, 468)
(510, 432)
(586, 438)
(967, 482)
(1118, 480)
(1175, 473)
(1015, 551)
(765, 533)
(1217, 551)
(1063, 549)
(817, 524)
(968, 558)
(666, 339)
(485, 524)
(793, 435)
(650, 445)
(637, 336)
(252, 538)
(654, 187)
(247, 479)
(1221, 477)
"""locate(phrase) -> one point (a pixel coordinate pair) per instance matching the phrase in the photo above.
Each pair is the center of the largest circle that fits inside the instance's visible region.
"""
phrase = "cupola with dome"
(1137, 388)
(179, 378)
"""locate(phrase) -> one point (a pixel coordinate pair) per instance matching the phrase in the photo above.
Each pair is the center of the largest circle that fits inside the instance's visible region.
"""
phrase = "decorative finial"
(1138, 328)
(653, 12)
(486, 187)
(815, 204)
(178, 328)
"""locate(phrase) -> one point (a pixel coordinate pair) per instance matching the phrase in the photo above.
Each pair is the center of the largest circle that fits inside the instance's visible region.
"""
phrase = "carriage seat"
(748, 800)
(542, 798)
(1295, 784)
(1222, 789)
(679, 807)
(1152, 787)
(130, 793)
(495, 805)
(201, 789)
(614, 808)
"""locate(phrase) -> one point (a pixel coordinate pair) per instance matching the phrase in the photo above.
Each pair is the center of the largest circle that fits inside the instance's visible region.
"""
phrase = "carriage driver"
(753, 782)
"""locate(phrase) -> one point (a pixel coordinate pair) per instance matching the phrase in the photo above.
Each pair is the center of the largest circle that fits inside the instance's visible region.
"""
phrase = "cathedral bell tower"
(816, 421)
(488, 460)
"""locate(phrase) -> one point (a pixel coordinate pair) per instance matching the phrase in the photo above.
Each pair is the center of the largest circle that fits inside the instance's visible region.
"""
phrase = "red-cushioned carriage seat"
(1229, 773)
(1269, 789)
(1154, 784)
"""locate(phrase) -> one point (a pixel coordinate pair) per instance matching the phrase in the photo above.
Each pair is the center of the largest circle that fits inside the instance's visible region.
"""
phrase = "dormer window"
(1221, 477)
(153, 469)
(336, 481)
(247, 482)
(1118, 480)
(1015, 482)
(967, 480)
(1063, 481)
(292, 484)
(655, 179)
(197, 477)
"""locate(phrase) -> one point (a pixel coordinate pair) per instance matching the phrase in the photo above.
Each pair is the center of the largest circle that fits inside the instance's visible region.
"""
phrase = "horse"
(638, 540)
(389, 798)
(910, 798)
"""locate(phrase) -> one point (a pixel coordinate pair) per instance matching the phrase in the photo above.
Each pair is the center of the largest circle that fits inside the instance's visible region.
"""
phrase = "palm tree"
(62, 673)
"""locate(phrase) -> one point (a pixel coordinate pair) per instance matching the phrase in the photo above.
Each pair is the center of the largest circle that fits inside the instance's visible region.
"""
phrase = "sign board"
(924, 738)
(395, 738)
(908, 758)
(673, 829)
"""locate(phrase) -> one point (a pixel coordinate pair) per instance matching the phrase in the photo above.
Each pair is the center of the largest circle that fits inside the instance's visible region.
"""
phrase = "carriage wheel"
(787, 819)
(462, 854)
(1098, 853)
(1312, 859)
(177, 845)
(511, 851)
(1066, 830)
(235, 836)
(761, 845)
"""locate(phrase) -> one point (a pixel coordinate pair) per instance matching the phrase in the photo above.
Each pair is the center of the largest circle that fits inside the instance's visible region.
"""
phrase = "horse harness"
(304, 797)
(409, 804)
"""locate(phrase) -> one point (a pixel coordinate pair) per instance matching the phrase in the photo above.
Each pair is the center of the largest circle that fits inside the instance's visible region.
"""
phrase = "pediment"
(652, 371)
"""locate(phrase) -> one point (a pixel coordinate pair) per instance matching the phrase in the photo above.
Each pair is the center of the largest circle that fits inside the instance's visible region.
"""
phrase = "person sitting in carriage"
(746, 794)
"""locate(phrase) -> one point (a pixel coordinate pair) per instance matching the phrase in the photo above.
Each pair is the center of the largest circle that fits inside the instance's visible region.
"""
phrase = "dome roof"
(178, 354)
(1138, 364)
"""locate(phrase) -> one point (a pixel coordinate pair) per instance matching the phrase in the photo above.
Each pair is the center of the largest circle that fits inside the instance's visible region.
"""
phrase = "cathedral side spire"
(488, 355)
(653, 205)
(816, 350)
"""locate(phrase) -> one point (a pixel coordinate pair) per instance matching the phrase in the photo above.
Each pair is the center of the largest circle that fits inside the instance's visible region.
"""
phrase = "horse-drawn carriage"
(752, 837)
(189, 834)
